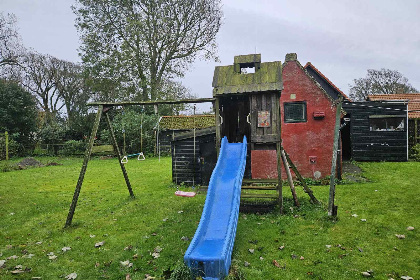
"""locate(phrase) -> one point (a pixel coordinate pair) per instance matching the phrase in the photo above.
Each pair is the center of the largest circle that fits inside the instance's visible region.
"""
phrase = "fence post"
(6, 134)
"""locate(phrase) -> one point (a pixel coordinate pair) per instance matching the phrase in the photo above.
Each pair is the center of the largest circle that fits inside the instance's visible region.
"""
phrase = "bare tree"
(141, 43)
(10, 41)
(71, 86)
(384, 81)
(38, 77)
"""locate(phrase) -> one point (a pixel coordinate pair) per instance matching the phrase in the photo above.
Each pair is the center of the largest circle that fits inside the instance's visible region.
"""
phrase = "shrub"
(415, 152)
(73, 147)
(13, 148)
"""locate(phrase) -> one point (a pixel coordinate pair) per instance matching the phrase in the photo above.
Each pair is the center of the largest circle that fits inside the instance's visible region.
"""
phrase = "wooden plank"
(300, 178)
(279, 184)
(259, 181)
(267, 188)
(289, 178)
(88, 152)
(332, 209)
(259, 195)
(157, 102)
(116, 148)
(218, 127)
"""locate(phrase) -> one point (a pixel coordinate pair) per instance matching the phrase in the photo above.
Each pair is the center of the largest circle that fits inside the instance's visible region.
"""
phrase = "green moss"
(267, 78)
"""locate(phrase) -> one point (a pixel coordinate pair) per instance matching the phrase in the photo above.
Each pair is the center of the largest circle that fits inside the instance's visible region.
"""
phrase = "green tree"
(384, 81)
(140, 43)
(18, 111)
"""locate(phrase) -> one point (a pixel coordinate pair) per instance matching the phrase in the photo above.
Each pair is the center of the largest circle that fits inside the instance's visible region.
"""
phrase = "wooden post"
(332, 209)
(300, 178)
(289, 178)
(339, 155)
(279, 183)
(114, 142)
(88, 151)
(6, 134)
(278, 151)
(123, 142)
(218, 127)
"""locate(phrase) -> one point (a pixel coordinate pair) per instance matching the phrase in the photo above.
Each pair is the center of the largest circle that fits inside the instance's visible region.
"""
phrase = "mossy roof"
(187, 122)
(230, 80)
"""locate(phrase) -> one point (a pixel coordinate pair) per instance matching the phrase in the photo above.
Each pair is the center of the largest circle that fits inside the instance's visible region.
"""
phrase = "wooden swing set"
(103, 109)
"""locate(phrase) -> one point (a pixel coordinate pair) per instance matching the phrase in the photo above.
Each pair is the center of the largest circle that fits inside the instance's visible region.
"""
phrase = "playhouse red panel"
(262, 166)
(309, 142)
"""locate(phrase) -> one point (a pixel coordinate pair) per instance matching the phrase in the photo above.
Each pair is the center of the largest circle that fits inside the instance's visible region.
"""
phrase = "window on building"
(386, 123)
(295, 112)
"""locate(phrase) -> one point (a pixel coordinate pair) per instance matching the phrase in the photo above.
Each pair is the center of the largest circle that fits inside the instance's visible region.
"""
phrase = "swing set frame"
(102, 111)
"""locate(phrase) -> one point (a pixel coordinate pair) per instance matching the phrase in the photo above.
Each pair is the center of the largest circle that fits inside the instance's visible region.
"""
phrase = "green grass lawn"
(34, 205)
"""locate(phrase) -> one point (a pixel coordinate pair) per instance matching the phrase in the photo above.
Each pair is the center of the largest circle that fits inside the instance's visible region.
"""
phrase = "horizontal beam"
(157, 102)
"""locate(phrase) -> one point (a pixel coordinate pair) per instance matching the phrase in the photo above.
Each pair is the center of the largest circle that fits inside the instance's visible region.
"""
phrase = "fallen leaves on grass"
(99, 244)
(281, 247)
(156, 252)
(148, 277)
(65, 249)
(410, 228)
(128, 248)
(28, 256)
(251, 251)
(368, 273)
(184, 238)
(126, 263)
(92, 235)
(14, 257)
(246, 264)
(71, 276)
(363, 220)
(355, 215)
(400, 236)
(302, 258)
(2, 262)
(407, 277)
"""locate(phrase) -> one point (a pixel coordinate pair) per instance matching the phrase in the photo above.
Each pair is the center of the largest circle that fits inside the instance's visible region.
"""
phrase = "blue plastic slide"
(210, 251)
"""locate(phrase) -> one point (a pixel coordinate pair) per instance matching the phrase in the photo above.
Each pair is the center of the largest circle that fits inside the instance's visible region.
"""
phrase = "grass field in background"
(151, 231)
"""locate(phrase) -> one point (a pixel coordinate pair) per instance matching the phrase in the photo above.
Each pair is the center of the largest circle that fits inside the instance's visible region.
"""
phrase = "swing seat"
(185, 194)
(140, 157)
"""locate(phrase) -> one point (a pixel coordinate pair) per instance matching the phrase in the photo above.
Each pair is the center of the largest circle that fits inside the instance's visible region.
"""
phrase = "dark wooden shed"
(375, 131)
(193, 164)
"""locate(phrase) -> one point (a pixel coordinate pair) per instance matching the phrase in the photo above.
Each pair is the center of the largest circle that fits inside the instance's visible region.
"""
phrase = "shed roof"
(230, 80)
(187, 122)
(331, 84)
(413, 100)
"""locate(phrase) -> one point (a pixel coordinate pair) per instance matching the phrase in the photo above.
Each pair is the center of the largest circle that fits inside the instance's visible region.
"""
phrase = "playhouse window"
(295, 112)
(386, 123)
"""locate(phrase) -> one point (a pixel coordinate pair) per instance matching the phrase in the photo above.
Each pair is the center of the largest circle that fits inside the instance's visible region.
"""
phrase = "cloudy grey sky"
(341, 38)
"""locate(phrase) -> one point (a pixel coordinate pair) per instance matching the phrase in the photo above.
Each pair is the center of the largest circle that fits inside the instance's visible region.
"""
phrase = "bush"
(415, 152)
(130, 121)
(73, 147)
(13, 148)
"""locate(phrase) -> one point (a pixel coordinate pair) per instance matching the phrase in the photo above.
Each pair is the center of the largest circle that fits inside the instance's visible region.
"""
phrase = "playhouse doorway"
(234, 113)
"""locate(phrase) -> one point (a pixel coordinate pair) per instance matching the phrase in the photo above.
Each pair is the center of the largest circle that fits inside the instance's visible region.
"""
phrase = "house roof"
(310, 65)
(413, 100)
(230, 80)
(187, 122)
